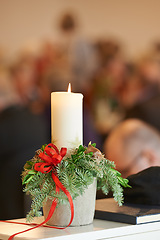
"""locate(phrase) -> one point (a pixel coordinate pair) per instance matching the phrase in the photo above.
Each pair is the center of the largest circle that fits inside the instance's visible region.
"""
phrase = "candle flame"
(69, 88)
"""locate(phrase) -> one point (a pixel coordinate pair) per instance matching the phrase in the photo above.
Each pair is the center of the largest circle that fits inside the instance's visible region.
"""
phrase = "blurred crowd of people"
(114, 89)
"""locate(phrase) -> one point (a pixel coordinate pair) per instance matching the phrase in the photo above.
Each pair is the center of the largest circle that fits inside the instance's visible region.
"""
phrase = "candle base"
(84, 208)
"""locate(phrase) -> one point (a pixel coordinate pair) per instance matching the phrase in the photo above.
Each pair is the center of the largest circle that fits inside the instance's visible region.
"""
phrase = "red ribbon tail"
(60, 185)
(52, 209)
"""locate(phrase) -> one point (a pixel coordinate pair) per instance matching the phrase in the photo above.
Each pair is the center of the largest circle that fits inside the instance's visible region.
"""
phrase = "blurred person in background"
(107, 86)
(142, 94)
(22, 132)
(47, 56)
(78, 53)
(134, 146)
(30, 85)
(25, 82)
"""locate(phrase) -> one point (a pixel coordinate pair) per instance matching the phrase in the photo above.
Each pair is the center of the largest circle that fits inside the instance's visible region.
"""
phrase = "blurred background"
(134, 24)
(109, 50)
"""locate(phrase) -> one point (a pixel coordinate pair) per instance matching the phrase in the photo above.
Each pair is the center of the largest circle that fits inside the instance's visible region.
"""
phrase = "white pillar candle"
(66, 119)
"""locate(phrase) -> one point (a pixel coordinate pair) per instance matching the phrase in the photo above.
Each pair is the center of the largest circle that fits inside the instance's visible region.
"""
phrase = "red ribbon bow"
(51, 157)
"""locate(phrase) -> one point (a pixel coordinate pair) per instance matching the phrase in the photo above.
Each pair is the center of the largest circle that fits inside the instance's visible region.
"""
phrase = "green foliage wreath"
(76, 171)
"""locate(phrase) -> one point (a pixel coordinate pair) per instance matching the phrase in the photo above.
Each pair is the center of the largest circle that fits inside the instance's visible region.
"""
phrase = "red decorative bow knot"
(51, 157)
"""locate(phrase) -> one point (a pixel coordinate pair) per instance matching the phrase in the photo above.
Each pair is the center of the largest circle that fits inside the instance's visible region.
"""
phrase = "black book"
(108, 209)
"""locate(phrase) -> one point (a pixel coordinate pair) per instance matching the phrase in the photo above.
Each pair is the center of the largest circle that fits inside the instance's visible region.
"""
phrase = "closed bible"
(108, 209)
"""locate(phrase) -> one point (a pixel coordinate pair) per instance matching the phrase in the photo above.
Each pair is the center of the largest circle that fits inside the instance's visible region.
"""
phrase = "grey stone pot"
(84, 208)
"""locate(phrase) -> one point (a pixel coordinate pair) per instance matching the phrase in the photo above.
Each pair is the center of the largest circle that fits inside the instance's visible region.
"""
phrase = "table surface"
(100, 229)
